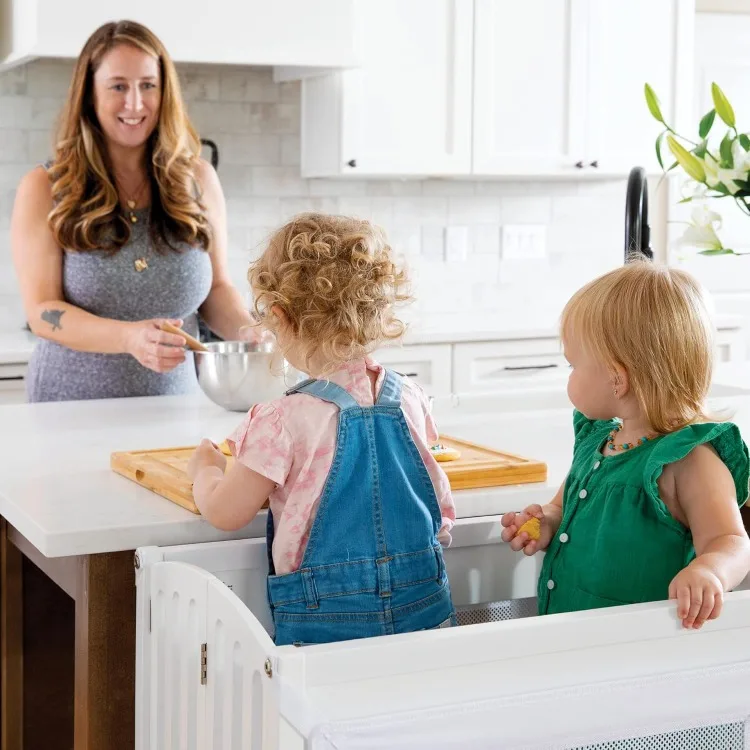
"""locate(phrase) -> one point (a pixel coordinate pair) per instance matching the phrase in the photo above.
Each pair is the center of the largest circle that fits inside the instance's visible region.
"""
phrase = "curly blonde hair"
(336, 280)
(86, 213)
(653, 321)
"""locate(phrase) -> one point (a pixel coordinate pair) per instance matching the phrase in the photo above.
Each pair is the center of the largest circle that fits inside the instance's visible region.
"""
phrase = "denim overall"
(373, 564)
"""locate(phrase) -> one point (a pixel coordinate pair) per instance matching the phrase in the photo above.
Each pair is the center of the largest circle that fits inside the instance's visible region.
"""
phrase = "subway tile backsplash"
(255, 123)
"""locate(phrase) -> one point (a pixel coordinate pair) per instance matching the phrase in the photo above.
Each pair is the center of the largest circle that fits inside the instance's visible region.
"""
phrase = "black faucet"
(637, 232)
(214, 151)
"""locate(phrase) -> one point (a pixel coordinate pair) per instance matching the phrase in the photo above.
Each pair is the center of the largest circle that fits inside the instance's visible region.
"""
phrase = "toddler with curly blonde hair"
(359, 508)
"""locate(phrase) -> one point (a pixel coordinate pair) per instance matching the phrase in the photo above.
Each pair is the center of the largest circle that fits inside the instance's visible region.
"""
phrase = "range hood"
(291, 34)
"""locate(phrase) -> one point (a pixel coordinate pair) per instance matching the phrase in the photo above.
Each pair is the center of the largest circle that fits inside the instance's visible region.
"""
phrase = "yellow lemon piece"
(224, 448)
(533, 527)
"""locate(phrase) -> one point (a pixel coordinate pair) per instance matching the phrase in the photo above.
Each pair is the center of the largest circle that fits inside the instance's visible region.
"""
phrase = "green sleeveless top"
(618, 543)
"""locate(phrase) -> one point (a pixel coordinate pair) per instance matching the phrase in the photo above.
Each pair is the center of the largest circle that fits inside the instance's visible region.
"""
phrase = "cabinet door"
(529, 86)
(407, 110)
(633, 43)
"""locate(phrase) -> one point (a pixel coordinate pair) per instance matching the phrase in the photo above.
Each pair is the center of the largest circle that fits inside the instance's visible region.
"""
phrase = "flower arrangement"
(712, 173)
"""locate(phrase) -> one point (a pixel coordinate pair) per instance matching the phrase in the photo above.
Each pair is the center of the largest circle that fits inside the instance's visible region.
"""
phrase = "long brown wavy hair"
(86, 213)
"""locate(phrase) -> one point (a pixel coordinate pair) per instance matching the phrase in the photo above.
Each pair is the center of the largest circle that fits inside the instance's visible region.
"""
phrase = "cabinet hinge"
(204, 663)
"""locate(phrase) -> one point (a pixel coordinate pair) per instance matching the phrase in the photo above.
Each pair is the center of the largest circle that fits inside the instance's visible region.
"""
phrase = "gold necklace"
(132, 200)
(140, 264)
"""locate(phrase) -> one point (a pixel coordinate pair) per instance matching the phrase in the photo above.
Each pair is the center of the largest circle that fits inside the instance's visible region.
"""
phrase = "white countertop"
(57, 489)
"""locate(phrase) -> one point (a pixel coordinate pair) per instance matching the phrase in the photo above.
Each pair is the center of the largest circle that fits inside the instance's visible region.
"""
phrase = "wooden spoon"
(192, 343)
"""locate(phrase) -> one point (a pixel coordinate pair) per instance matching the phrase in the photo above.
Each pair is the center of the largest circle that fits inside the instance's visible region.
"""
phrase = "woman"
(125, 229)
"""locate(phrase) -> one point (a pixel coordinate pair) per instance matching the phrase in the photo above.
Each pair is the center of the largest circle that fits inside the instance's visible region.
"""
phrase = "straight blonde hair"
(654, 322)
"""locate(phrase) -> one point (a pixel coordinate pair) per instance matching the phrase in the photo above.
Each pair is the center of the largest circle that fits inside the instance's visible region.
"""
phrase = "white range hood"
(285, 33)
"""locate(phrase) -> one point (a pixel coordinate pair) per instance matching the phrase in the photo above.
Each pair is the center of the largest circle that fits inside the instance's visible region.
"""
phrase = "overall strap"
(325, 390)
(390, 392)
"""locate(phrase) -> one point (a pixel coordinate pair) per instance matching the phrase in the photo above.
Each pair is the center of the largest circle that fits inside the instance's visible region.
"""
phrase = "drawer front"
(13, 384)
(427, 365)
(490, 365)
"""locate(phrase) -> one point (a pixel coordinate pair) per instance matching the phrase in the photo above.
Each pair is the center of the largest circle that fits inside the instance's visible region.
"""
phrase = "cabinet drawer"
(490, 365)
(13, 384)
(428, 365)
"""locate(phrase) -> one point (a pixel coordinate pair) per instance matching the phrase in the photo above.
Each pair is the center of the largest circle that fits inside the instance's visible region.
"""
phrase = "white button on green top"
(597, 465)
(550, 584)
(564, 537)
(582, 494)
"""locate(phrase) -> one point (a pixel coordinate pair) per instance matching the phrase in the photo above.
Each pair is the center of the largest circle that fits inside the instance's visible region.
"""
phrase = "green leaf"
(727, 160)
(659, 141)
(701, 150)
(718, 251)
(685, 200)
(654, 107)
(689, 162)
(706, 123)
(722, 105)
(745, 141)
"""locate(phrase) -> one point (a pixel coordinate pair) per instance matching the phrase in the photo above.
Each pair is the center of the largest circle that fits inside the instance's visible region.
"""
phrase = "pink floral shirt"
(291, 441)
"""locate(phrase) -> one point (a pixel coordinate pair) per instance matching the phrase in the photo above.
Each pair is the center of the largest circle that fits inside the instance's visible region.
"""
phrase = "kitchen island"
(71, 525)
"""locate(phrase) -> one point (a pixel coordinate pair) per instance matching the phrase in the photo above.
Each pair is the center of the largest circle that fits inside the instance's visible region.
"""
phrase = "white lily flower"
(701, 232)
(716, 175)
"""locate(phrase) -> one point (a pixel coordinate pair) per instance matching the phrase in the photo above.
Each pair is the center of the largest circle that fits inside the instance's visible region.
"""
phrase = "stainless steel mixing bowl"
(236, 374)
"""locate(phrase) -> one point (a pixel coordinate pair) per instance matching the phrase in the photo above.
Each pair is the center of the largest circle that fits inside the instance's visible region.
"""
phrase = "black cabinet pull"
(351, 163)
(515, 368)
(579, 165)
(595, 164)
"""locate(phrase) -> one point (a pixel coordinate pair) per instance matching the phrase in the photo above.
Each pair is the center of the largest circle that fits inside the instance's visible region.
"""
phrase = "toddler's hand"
(512, 522)
(206, 454)
(699, 595)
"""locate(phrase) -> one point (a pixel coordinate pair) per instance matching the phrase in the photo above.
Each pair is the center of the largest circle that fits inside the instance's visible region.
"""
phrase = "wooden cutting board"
(164, 471)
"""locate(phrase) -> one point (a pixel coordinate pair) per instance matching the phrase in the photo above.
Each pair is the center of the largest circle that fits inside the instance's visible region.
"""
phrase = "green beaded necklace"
(611, 445)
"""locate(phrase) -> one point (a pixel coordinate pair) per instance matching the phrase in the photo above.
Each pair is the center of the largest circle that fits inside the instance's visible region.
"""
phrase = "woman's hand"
(153, 348)
(254, 334)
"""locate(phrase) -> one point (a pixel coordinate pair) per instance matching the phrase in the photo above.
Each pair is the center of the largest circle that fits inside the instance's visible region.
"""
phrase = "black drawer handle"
(11, 378)
(528, 367)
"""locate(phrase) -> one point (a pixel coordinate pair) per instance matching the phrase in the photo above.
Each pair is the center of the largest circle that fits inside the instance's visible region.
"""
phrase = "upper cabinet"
(232, 32)
(546, 88)
(529, 86)
(630, 43)
(407, 109)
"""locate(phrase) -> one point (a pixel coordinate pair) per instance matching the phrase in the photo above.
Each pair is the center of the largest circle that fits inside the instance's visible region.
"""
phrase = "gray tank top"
(173, 286)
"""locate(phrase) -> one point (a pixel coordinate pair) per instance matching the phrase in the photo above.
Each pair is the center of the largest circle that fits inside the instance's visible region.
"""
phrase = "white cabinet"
(529, 86)
(631, 43)
(488, 366)
(407, 110)
(558, 86)
(547, 88)
(251, 32)
(429, 365)
(12, 384)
